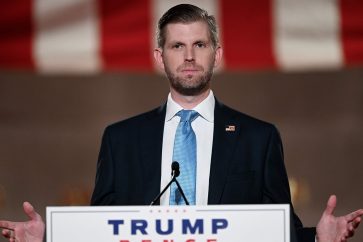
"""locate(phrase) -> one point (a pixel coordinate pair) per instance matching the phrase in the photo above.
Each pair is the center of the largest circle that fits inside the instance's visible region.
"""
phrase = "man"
(237, 159)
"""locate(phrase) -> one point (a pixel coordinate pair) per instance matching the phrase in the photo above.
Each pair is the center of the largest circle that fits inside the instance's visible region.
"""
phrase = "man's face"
(188, 57)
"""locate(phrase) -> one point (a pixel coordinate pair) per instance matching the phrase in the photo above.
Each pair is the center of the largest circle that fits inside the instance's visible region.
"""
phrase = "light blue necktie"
(185, 152)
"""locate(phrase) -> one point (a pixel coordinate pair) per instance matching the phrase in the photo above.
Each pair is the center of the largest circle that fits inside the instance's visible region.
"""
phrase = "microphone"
(175, 172)
(175, 169)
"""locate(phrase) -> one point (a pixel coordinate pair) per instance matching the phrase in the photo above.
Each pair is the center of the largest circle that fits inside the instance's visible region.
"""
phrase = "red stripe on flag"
(352, 30)
(16, 34)
(125, 34)
(247, 34)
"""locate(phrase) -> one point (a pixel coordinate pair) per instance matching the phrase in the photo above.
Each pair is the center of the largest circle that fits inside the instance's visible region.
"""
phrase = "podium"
(216, 223)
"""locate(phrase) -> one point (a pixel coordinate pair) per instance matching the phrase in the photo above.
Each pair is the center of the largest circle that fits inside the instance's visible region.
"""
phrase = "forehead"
(187, 31)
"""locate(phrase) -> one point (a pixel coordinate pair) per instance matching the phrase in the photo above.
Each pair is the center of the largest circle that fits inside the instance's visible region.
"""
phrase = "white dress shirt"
(203, 128)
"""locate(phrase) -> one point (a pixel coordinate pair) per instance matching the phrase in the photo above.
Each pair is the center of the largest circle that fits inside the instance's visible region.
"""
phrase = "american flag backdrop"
(88, 36)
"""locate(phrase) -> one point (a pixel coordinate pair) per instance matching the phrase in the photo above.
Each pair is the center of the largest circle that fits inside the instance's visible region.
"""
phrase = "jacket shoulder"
(246, 121)
(137, 121)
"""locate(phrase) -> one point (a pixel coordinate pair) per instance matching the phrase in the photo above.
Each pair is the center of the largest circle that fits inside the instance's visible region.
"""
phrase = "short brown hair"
(186, 13)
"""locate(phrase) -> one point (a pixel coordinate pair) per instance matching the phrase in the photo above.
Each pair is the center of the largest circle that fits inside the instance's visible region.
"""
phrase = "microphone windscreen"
(175, 168)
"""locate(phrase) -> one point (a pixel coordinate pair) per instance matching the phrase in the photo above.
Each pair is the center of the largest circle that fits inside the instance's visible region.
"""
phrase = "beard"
(190, 85)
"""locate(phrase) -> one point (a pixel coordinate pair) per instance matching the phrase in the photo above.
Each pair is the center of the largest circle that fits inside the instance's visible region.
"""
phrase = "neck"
(189, 102)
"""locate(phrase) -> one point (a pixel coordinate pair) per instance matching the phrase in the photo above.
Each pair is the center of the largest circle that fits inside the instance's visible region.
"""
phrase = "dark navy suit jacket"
(247, 165)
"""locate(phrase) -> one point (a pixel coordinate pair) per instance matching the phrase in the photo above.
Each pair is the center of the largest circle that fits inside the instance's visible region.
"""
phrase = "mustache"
(192, 66)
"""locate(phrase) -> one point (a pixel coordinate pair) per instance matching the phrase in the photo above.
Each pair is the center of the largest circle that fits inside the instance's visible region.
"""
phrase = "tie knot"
(187, 115)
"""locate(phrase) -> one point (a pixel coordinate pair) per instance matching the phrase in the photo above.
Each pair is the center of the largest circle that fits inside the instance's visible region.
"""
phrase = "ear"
(218, 57)
(158, 56)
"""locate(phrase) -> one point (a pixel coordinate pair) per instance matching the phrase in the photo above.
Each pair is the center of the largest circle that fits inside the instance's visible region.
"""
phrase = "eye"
(177, 46)
(200, 45)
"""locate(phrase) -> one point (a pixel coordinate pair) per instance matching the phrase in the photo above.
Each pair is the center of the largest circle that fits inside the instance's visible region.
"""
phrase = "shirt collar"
(205, 108)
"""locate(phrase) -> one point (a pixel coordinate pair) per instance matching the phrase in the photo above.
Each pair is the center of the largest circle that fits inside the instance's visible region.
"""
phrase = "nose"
(189, 54)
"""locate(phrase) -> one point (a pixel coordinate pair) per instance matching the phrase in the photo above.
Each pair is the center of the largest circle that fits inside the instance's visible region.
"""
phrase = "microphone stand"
(181, 191)
(163, 191)
(175, 173)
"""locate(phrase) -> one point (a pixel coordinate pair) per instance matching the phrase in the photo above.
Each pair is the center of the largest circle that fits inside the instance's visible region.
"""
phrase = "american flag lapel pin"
(230, 128)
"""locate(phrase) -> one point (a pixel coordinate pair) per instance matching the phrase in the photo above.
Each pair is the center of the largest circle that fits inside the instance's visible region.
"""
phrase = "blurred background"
(70, 68)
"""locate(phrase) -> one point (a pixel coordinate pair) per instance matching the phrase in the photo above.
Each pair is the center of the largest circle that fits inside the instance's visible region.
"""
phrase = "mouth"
(190, 71)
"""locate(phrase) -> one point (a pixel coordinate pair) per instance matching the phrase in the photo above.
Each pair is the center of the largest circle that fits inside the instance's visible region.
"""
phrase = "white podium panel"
(220, 223)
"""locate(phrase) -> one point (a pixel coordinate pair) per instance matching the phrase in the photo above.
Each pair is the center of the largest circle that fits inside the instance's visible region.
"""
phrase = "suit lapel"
(151, 139)
(226, 131)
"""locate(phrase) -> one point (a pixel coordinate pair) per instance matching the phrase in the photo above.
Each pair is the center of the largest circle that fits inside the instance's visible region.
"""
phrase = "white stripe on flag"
(307, 34)
(66, 36)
